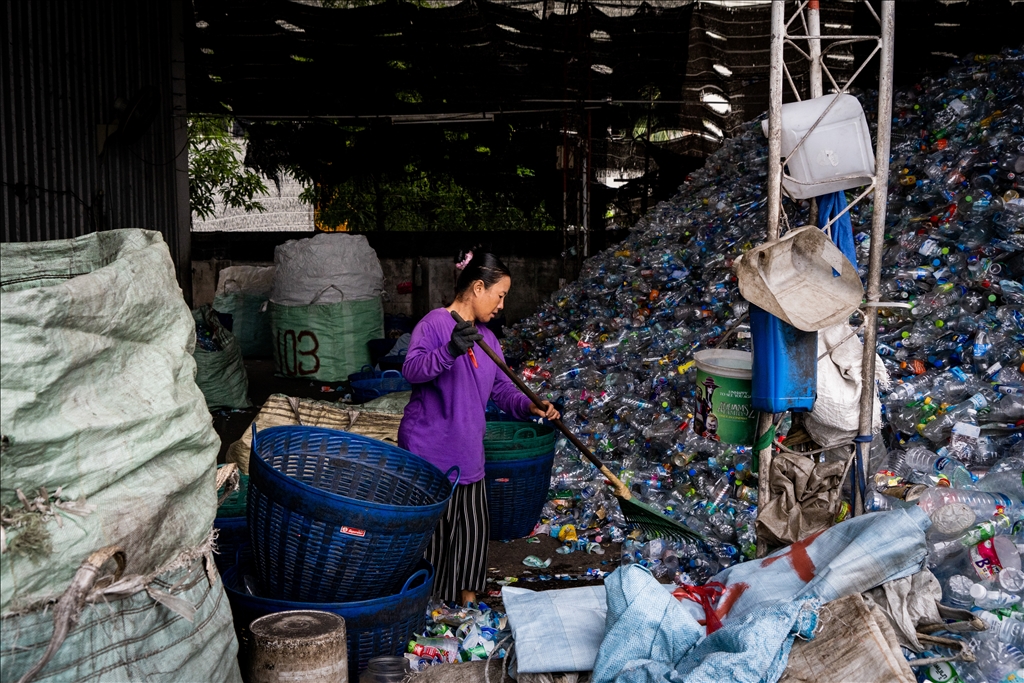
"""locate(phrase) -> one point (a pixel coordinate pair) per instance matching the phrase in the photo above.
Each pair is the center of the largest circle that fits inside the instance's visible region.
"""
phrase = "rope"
(504, 667)
(813, 452)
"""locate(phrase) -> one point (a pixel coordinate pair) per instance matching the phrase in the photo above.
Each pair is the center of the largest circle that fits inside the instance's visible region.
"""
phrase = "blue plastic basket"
(516, 491)
(335, 516)
(232, 534)
(373, 628)
(388, 382)
(365, 372)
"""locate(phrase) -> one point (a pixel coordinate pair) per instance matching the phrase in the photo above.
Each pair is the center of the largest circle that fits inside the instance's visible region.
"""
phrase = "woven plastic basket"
(232, 534)
(365, 372)
(335, 517)
(382, 626)
(517, 440)
(516, 491)
(388, 382)
(231, 525)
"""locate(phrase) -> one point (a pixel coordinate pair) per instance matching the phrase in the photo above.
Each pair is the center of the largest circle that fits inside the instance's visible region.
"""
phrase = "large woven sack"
(243, 293)
(327, 269)
(281, 410)
(98, 400)
(221, 374)
(134, 638)
(325, 341)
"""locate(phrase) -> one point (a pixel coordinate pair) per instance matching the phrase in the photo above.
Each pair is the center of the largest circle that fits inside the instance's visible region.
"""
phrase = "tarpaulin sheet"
(653, 638)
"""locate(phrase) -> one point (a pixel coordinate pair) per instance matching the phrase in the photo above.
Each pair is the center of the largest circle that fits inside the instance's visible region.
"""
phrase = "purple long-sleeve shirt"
(444, 421)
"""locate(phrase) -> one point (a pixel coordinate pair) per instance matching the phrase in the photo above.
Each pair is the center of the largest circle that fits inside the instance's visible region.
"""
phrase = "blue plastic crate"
(373, 628)
(335, 516)
(516, 492)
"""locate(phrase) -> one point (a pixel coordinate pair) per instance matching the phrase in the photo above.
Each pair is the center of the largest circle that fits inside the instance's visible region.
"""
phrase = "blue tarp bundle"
(650, 637)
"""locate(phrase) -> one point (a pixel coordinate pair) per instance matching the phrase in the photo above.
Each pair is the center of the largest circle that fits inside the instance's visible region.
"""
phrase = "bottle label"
(958, 373)
(986, 559)
(978, 401)
(928, 247)
(967, 430)
(943, 672)
(981, 349)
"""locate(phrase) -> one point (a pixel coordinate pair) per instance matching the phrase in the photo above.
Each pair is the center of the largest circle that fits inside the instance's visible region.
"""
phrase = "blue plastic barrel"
(785, 365)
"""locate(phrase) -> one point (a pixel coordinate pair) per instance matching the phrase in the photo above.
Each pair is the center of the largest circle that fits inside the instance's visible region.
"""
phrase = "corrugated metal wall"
(64, 64)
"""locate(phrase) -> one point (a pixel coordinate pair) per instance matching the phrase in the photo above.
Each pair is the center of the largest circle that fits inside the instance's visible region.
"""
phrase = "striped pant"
(458, 548)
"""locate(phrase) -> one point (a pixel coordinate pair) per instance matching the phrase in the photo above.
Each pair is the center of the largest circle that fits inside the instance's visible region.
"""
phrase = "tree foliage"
(215, 169)
(402, 178)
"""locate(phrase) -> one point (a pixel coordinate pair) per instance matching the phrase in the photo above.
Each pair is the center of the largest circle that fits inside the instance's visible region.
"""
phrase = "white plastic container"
(837, 155)
(792, 278)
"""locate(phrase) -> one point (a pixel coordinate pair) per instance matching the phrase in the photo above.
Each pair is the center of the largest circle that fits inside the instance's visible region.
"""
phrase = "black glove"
(464, 336)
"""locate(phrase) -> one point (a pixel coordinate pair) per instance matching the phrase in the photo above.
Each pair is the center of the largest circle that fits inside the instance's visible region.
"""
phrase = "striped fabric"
(458, 548)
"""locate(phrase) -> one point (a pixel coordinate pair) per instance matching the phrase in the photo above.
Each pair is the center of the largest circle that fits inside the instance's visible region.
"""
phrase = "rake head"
(654, 523)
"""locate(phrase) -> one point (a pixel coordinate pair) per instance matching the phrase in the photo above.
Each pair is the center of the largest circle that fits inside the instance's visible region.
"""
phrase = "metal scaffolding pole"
(809, 12)
(777, 66)
(868, 391)
(814, 46)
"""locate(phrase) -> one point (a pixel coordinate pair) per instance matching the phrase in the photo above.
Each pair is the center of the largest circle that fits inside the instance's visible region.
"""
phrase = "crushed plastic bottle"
(456, 634)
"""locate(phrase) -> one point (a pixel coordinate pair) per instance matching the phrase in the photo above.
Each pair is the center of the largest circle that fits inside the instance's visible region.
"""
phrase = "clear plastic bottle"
(1008, 630)
(985, 504)
(986, 598)
(923, 460)
(936, 430)
(1009, 483)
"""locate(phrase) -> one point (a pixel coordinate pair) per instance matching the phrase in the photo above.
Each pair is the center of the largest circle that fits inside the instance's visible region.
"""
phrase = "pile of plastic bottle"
(615, 350)
(459, 634)
(206, 339)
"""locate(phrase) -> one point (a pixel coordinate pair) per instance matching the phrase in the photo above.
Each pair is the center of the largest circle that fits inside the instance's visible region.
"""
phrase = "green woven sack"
(517, 440)
(133, 639)
(325, 341)
(220, 374)
(250, 322)
(107, 435)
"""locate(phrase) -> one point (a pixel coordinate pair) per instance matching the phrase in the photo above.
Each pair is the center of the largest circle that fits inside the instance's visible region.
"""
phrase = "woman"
(444, 421)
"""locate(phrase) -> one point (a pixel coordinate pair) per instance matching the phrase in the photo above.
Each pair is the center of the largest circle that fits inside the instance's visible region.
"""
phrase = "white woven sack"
(836, 415)
(326, 269)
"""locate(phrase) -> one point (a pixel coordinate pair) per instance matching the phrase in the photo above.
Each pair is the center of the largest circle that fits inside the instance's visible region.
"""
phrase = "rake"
(637, 513)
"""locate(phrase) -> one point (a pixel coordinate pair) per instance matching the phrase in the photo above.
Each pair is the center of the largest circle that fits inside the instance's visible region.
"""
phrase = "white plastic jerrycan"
(837, 154)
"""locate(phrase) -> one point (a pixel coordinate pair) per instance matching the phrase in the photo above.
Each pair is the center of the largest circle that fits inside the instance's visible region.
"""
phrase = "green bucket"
(517, 440)
(723, 411)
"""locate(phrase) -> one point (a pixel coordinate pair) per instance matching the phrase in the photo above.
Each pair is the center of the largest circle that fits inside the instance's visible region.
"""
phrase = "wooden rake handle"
(621, 491)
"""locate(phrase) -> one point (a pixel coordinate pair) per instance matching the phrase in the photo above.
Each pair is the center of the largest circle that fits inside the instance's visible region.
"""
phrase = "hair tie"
(461, 265)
